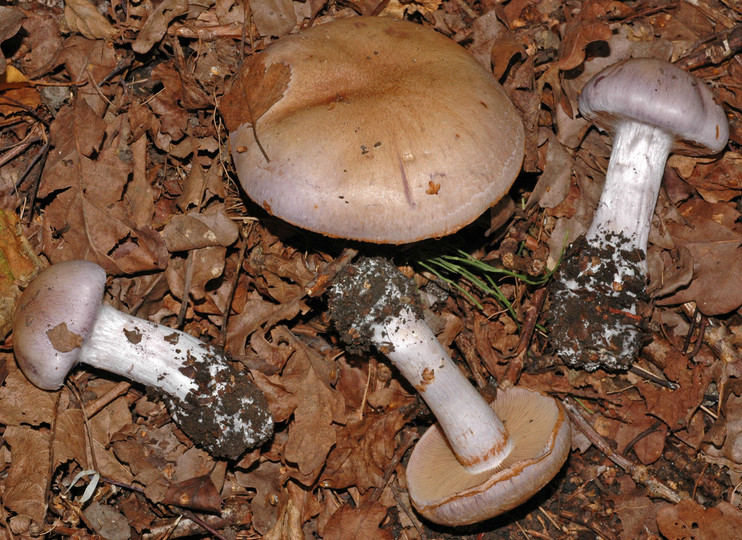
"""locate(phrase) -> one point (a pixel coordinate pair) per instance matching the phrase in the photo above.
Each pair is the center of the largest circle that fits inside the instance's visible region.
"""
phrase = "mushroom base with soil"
(220, 409)
(598, 304)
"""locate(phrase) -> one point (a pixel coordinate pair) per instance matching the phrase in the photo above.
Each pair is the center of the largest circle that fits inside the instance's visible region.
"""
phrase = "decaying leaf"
(273, 17)
(363, 451)
(717, 254)
(81, 16)
(26, 480)
(688, 519)
(255, 90)
(157, 23)
(198, 230)
(361, 522)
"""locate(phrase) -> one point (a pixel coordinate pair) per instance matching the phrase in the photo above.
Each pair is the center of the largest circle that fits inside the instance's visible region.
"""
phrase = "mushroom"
(60, 321)
(373, 129)
(480, 460)
(652, 108)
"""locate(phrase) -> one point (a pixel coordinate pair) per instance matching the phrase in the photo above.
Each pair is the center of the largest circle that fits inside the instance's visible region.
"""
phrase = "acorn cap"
(444, 492)
(660, 94)
(373, 129)
(54, 316)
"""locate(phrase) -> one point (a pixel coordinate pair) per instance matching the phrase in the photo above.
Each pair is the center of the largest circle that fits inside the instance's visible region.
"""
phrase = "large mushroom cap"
(54, 316)
(661, 94)
(442, 490)
(374, 129)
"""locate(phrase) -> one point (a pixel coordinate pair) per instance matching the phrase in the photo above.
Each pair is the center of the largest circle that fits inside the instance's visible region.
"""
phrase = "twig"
(639, 473)
(515, 366)
(408, 440)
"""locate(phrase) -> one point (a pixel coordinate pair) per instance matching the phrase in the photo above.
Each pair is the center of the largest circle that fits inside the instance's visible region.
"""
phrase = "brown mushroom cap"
(54, 316)
(375, 129)
(442, 490)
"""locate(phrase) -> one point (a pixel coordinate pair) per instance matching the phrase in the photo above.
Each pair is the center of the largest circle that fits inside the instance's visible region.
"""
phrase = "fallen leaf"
(11, 19)
(26, 480)
(717, 253)
(363, 451)
(197, 493)
(156, 25)
(273, 17)
(255, 90)
(198, 230)
(81, 16)
(688, 519)
(361, 522)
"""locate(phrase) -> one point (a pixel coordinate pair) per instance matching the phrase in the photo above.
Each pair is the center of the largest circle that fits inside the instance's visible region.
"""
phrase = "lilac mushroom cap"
(372, 129)
(60, 321)
(652, 108)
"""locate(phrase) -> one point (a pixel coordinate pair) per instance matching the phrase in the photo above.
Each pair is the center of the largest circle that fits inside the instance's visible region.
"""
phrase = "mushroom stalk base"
(474, 432)
(217, 407)
(598, 294)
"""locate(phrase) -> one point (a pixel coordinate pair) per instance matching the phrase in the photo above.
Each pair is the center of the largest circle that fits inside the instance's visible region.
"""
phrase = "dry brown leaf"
(107, 521)
(44, 41)
(290, 520)
(269, 495)
(194, 230)
(156, 25)
(69, 439)
(21, 402)
(26, 481)
(273, 17)
(19, 264)
(87, 218)
(717, 253)
(363, 451)
(318, 405)
(11, 19)
(254, 91)
(688, 519)
(82, 17)
(198, 493)
(361, 522)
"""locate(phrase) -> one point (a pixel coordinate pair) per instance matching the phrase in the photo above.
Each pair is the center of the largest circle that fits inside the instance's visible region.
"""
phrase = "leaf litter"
(113, 149)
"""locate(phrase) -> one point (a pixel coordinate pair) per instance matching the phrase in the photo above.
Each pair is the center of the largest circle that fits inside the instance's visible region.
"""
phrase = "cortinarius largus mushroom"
(652, 108)
(488, 459)
(60, 321)
(373, 129)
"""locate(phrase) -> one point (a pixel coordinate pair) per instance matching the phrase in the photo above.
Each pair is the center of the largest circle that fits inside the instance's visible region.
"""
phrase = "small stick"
(639, 473)
(515, 365)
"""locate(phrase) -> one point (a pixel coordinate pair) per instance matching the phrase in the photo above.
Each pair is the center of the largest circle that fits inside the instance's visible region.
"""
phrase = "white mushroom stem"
(474, 432)
(148, 353)
(632, 185)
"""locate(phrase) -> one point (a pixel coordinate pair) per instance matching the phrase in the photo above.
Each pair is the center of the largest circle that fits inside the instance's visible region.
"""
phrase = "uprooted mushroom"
(597, 297)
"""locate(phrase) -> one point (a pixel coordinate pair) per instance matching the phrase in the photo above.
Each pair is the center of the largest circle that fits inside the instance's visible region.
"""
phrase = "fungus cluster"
(652, 108)
(60, 321)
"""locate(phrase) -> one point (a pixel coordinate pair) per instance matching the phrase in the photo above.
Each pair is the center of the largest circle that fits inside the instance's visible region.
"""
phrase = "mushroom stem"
(372, 303)
(632, 185)
(152, 354)
(475, 433)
